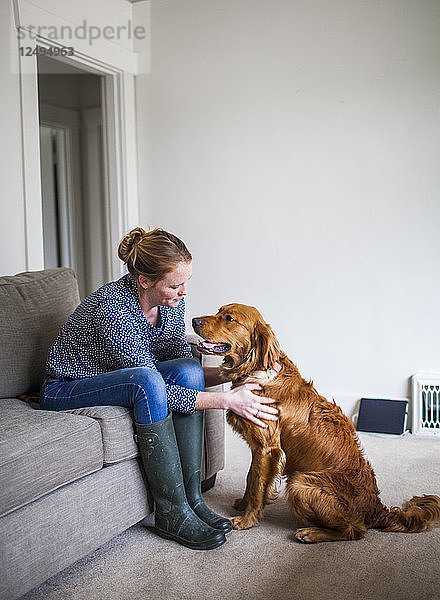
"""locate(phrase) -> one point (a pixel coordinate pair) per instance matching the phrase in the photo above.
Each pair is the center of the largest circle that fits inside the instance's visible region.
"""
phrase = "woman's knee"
(150, 398)
(144, 377)
(147, 385)
(190, 374)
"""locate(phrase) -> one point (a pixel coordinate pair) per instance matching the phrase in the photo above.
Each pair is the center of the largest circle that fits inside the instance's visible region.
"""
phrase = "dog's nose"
(196, 322)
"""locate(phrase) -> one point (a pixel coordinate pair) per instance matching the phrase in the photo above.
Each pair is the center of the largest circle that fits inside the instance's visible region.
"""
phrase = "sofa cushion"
(33, 306)
(42, 450)
(116, 428)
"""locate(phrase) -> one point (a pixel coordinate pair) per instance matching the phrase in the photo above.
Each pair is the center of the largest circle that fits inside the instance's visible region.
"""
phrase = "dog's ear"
(265, 346)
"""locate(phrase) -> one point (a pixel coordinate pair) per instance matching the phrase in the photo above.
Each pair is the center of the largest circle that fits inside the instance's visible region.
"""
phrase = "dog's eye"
(229, 318)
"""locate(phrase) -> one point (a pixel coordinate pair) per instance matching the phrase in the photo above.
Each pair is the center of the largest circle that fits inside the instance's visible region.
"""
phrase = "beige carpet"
(265, 562)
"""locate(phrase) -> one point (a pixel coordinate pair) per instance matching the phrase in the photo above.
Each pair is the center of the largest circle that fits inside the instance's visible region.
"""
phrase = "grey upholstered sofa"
(70, 480)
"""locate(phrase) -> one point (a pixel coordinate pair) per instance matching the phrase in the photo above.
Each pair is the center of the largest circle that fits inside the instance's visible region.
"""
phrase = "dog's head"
(240, 334)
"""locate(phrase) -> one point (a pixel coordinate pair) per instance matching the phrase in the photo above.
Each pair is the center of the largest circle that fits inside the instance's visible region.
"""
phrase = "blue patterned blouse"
(108, 331)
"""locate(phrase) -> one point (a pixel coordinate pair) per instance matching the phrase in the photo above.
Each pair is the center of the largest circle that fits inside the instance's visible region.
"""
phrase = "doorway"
(75, 217)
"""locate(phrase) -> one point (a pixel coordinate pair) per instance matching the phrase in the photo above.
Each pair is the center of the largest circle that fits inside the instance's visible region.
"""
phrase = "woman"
(125, 345)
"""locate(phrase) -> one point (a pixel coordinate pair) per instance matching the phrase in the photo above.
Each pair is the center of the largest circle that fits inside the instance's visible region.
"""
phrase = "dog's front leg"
(271, 488)
(264, 470)
(241, 503)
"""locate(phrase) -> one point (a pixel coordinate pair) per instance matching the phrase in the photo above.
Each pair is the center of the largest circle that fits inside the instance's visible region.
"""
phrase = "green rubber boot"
(189, 435)
(174, 518)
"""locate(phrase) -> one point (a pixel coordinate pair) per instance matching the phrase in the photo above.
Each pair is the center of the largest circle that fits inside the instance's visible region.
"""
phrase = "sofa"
(71, 480)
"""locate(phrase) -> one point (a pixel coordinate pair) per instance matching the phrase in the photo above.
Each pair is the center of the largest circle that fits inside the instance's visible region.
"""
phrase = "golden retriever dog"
(331, 487)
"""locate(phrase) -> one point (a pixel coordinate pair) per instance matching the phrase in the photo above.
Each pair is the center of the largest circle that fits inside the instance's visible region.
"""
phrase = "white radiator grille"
(426, 405)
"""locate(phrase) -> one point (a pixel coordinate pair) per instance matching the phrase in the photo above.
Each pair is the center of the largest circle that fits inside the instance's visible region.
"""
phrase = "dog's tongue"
(214, 348)
(209, 345)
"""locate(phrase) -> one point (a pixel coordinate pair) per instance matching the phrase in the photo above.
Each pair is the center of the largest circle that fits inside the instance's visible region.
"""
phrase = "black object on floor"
(382, 416)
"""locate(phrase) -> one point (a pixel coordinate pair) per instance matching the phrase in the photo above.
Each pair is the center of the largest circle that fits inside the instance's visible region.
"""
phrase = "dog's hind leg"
(262, 475)
(313, 501)
(311, 535)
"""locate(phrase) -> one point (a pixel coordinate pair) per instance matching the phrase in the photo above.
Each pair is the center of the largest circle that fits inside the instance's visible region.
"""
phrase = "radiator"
(426, 404)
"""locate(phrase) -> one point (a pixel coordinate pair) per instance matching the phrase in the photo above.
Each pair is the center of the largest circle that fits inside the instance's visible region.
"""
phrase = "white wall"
(295, 148)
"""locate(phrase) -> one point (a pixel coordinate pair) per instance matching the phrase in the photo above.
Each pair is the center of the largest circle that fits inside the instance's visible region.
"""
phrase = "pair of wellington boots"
(171, 453)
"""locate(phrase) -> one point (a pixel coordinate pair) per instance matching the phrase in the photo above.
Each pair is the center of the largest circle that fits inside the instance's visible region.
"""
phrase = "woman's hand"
(246, 404)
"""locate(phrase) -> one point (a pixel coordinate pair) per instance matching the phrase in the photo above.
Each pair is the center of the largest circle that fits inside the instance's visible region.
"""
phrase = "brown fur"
(331, 487)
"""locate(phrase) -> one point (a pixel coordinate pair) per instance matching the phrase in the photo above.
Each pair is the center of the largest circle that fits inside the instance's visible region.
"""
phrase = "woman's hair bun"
(128, 246)
(152, 253)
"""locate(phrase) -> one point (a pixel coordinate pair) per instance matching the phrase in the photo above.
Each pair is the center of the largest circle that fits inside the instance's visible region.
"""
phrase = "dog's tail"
(418, 514)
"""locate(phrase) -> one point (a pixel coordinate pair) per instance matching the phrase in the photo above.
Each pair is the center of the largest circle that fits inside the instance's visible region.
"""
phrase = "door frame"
(119, 140)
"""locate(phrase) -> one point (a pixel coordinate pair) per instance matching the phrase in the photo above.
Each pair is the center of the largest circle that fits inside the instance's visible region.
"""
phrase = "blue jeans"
(139, 388)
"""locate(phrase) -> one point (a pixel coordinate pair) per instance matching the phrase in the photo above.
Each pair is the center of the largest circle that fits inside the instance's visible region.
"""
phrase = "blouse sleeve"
(129, 348)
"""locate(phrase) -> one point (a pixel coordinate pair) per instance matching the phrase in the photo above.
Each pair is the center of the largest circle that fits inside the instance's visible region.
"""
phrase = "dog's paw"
(307, 535)
(239, 504)
(241, 523)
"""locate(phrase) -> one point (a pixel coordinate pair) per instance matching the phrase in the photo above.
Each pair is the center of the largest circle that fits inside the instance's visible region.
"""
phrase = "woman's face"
(170, 290)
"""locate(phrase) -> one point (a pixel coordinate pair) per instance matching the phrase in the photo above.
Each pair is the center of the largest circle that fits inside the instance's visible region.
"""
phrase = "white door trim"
(120, 175)
(30, 139)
